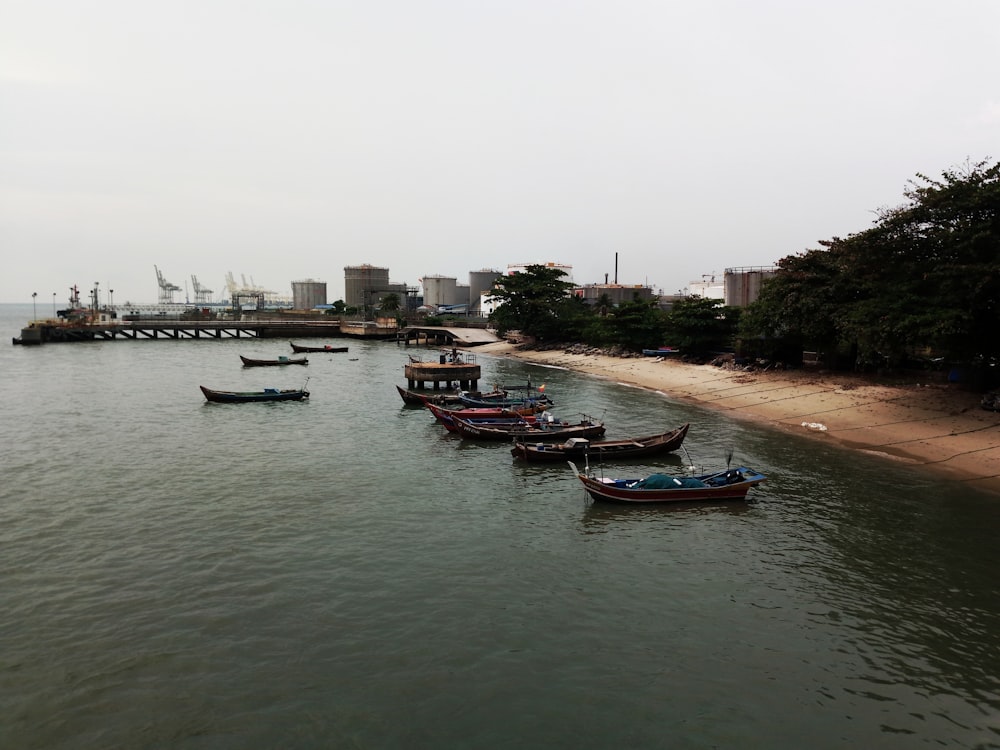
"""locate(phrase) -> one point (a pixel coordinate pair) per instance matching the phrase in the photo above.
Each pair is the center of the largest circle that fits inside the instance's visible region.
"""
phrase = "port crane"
(166, 288)
(202, 295)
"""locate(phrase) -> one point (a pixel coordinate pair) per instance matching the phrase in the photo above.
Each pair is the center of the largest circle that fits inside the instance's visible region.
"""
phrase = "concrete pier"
(418, 374)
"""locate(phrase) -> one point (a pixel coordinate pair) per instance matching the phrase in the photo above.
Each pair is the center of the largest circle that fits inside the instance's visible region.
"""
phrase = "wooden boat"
(504, 397)
(298, 349)
(487, 417)
(419, 399)
(247, 362)
(474, 412)
(601, 450)
(268, 394)
(542, 431)
(731, 484)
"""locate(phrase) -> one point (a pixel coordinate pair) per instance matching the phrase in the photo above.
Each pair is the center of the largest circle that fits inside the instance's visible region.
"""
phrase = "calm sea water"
(342, 573)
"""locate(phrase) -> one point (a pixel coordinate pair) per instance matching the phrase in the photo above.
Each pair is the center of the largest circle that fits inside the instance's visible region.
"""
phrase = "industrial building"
(308, 294)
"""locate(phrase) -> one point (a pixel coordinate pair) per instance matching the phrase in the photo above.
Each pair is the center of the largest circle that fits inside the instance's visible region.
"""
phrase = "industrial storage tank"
(481, 282)
(567, 271)
(361, 281)
(440, 290)
(308, 294)
(743, 284)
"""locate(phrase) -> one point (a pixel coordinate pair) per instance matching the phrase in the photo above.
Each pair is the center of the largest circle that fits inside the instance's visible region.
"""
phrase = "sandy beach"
(933, 426)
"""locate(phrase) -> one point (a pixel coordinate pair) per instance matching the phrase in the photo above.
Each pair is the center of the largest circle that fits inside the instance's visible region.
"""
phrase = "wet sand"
(934, 426)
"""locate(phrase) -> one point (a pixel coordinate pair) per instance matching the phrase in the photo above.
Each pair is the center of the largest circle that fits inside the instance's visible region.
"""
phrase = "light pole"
(34, 311)
(53, 305)
(111, 299)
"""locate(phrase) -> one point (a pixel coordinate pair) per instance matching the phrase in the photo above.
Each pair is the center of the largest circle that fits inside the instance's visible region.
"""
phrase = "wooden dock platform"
(45, 332)
(448, 369)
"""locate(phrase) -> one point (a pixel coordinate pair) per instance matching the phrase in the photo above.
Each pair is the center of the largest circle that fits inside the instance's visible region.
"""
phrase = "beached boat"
(731, 484)
(298, 349)
(267, 394)
(663, 351)
(601, 450)
(542, 431)
(248, 362)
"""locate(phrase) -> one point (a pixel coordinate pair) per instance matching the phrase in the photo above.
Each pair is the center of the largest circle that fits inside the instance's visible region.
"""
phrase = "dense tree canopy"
(925, 278)
(699, 326)
(531, 302)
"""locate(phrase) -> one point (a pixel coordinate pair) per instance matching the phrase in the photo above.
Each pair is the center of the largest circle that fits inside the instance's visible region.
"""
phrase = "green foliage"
(389, 303)
(635, 325)
(699, 326)
(925, 276)
(532, 302)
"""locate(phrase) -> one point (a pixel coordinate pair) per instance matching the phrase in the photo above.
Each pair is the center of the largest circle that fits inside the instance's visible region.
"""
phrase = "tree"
(699, 326)
(636, 325)
(530, 302)
(389, 302)
(925, 276)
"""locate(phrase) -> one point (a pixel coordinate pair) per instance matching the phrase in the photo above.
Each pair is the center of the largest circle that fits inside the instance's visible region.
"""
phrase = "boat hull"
(239, 397)
(716, 487)
(419, 399)
(299, 349)
(545, 434)
(604, 450)
(248, 362)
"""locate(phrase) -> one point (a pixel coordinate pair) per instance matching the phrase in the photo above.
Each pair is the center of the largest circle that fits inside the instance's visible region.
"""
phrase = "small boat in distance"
(299, 349)
(267, 394)
(248, 362)
(730, 484)
(663, 351)
(601, 450)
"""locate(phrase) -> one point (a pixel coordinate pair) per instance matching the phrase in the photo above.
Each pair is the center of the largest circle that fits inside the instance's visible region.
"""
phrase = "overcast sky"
(286, 139)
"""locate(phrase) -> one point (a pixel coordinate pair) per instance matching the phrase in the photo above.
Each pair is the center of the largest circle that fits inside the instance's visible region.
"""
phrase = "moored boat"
(474, 412)
(417, 398)
(601, 450)
(730, 484)
(248, 362)
(506, 395)
(542, 431)
(299, 349)
(267, 394)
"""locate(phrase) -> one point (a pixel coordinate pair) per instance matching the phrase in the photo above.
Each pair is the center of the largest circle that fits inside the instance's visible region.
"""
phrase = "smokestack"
(616, 268)
(605, 279)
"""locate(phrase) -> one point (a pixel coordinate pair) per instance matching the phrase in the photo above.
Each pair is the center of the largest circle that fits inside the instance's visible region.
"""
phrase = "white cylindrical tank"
(481, 282)
(439, 290)
(567, 270)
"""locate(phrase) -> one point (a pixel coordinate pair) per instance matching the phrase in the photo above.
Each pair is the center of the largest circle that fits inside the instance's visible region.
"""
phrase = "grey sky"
(286, 140)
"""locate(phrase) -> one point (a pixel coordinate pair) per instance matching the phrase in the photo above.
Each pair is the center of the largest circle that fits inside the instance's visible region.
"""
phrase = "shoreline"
(934, 427)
